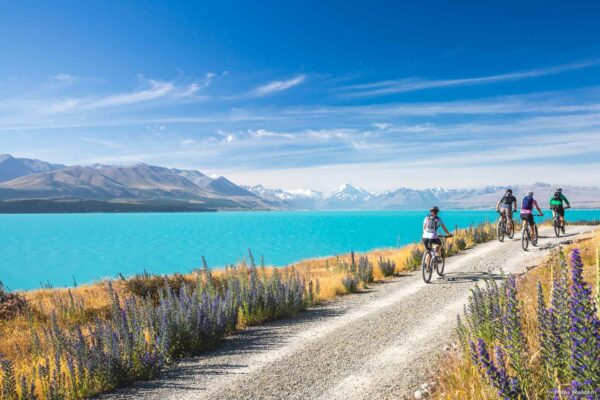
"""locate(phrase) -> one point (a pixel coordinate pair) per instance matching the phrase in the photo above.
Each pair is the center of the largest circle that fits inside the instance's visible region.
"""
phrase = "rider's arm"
(564, 198)
(498, 206)
(515, 204)
(538, 207)
(446, 230)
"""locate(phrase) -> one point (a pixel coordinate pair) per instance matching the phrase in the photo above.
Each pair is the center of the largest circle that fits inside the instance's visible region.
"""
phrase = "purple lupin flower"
(584, 332)
(514, 340)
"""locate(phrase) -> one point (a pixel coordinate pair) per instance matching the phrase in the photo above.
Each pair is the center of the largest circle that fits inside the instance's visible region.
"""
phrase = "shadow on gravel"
(214, 362)
(465, 277)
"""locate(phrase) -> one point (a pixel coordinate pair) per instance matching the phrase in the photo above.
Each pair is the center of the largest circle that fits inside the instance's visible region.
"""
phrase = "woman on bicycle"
(506, 205)
(527, 213)
(431, 224)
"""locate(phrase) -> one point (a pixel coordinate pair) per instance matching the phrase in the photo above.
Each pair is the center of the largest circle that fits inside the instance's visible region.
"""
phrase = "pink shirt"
(534, 204)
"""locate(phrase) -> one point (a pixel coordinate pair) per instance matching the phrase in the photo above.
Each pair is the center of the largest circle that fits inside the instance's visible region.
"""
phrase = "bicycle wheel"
(441, 263)
(535, 241)
(426, 266)
(525, 237)
(501, 229)
(510, 230)
(556, 227)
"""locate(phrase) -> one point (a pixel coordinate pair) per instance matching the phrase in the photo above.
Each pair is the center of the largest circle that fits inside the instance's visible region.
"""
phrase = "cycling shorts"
(430, 242)
(559, 208)
(528, 218)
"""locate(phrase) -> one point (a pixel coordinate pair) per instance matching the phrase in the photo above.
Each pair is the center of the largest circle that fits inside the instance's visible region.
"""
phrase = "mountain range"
(28, 185)
(349, 197)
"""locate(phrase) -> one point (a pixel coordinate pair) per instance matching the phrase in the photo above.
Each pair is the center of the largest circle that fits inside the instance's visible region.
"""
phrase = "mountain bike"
(504, 228)
(558, 222)
(526, 236)
(435, 261)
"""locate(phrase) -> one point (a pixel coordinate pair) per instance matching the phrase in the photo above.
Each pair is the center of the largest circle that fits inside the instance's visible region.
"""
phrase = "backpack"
(432, 224)
(557, 196)
(527, 203)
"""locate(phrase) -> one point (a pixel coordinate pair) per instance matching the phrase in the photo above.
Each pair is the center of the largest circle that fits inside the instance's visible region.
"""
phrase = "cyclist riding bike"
(527, 213)
(556, 205)
(431, 224)
(506, 205)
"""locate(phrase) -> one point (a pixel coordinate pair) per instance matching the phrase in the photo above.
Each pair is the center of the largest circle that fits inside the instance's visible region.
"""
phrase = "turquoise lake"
(58, 249)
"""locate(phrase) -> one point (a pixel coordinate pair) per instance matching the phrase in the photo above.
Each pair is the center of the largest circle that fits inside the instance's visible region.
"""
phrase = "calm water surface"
(57, 248)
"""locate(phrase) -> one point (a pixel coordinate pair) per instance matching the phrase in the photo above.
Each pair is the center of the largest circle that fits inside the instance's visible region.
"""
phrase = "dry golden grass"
(460, 379)
(15, 336)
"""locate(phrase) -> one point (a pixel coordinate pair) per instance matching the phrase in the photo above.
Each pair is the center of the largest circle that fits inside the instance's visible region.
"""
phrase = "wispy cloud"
(413, 84)
(64, 78)
(150, 91)
(277, 86)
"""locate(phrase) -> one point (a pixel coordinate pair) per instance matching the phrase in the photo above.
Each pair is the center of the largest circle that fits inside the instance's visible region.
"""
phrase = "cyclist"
(556, 205)
(431, 224)
(527, 213)
(506, 205)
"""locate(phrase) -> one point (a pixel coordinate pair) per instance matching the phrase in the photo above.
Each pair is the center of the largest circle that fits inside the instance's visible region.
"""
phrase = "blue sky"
(305, 94)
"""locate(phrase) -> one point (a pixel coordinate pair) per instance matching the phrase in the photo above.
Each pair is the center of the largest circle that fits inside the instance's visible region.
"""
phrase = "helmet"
(509, 191)
(434, 209)
(530, 193)
(559, 190)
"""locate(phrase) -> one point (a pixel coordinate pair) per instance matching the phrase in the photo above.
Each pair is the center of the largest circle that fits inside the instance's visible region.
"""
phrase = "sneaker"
(563, 229)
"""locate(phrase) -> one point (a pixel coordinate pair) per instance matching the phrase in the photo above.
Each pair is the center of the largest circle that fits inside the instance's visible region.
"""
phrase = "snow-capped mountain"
(348, 197)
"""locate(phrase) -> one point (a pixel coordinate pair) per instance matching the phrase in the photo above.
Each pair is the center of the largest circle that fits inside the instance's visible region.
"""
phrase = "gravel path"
(375, 345)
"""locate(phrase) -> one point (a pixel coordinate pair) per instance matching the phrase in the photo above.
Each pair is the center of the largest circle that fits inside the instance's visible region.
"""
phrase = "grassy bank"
(74, 343)
(535, 336)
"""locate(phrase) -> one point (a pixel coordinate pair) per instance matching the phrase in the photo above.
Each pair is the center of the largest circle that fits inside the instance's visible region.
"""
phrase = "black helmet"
(434, 209)
(559, 190)
(509, 191)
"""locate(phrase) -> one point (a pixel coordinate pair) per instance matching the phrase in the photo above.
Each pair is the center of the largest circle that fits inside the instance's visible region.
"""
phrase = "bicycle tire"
(534, 242)
(441, 264)
(501, 230)
(557, 227)
(511, 231)
(426, 268)
(525, 237)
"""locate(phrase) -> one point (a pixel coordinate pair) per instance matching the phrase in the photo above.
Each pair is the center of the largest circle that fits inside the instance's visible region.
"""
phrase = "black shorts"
(560, 209)
(528, 218)
(430, 242)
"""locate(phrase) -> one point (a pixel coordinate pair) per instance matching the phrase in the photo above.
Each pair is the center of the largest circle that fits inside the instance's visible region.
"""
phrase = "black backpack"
(507, 199)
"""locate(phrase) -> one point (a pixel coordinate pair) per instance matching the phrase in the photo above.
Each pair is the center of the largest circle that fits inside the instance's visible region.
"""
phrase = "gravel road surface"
(381, 344)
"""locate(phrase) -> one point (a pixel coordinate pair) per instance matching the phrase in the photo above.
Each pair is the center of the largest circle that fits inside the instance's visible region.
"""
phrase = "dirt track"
(378, 344)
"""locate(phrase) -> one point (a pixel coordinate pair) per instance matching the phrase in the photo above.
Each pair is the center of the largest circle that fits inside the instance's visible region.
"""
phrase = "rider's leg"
(427, 248)
(508, 217)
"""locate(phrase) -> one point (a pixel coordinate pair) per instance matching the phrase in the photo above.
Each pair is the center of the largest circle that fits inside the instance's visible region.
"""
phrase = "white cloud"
(277, 86)
(156, 89)
(263, 133)
(382, 125)
(413, 84)
(63, 78)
